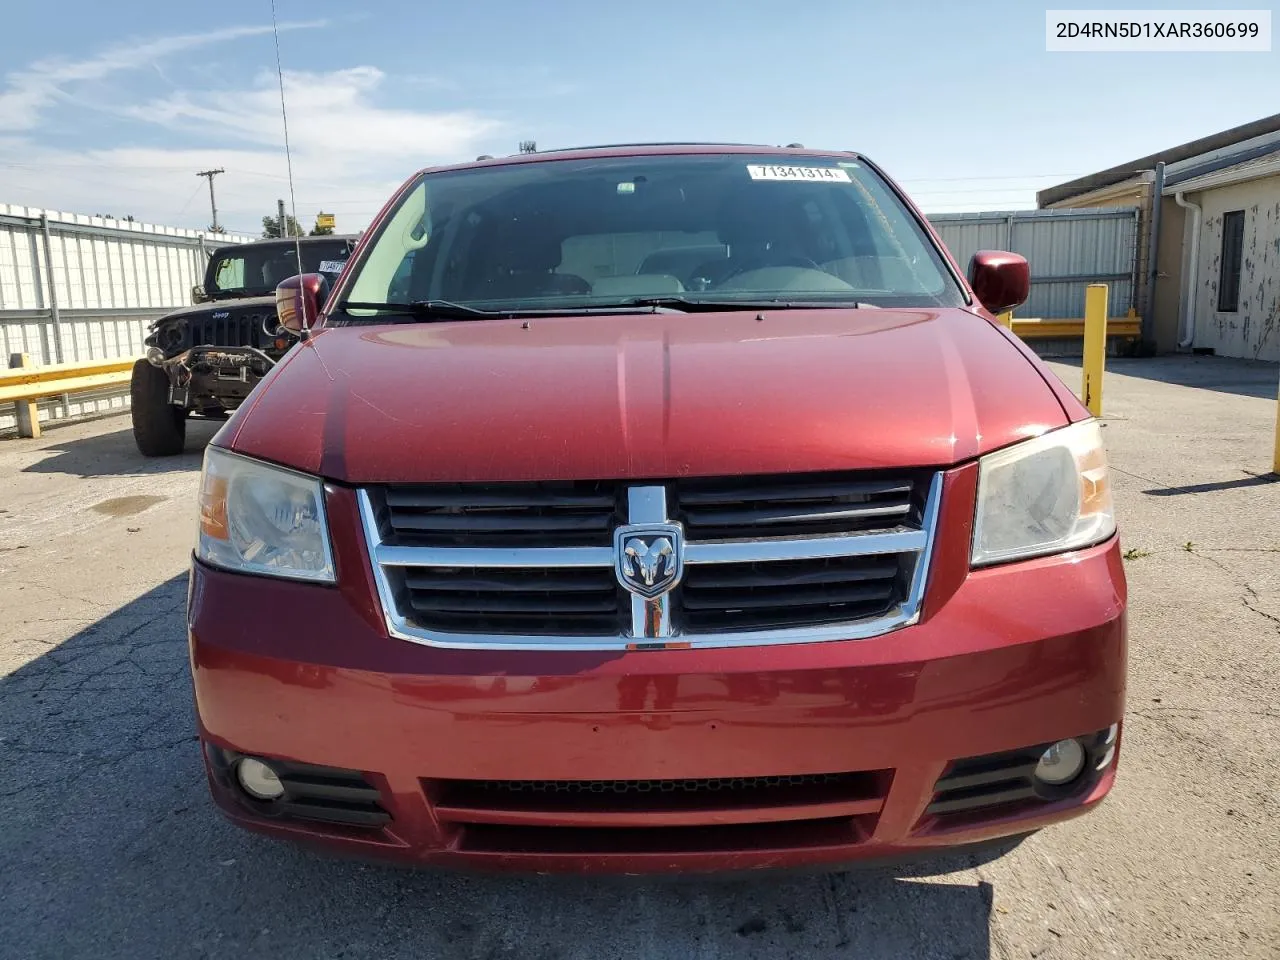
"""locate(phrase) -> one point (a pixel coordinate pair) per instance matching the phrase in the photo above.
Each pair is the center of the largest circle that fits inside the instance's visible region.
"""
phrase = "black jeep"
(203, 360)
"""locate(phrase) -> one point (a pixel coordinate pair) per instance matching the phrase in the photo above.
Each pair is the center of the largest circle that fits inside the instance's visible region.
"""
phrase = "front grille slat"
(977, 800)
(504, 515)
(508, 603)
(816, 514)
(692, 493)
(792, 506)
(330, 789)
(481, 523)
(760, 599)
(555, 581)
(329, 794)
(525, 601)
(500, 791)
(429, 499)
(729, 596)
(710, 577)
(977, 783)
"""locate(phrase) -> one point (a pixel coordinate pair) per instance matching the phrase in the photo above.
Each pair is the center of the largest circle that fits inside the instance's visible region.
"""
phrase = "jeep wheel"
(159, 428)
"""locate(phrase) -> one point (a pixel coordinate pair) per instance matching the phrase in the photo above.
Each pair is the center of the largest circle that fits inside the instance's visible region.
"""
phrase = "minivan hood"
(645, 396)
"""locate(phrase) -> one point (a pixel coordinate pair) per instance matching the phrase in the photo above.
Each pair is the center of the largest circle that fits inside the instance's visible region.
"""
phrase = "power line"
(183, 208)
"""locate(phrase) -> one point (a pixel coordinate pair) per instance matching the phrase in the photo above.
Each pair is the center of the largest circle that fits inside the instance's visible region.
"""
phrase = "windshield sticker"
(332, 266)
(817, 174)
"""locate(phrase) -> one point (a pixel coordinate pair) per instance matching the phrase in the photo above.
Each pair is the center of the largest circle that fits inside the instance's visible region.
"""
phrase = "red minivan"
(657, 508)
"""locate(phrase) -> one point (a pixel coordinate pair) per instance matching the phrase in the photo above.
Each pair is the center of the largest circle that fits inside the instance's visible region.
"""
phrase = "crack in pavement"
(1248, 588)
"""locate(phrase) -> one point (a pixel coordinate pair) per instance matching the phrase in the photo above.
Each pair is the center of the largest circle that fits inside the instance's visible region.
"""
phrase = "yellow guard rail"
(24, 384)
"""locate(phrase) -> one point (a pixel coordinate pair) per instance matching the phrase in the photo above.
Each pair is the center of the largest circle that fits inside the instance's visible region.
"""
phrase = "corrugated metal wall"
(1067, 251)
(108, 279)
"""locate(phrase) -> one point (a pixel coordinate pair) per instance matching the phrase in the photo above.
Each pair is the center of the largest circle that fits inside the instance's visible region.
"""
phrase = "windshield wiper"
(427, 309)
(692, 305)
(433, 310)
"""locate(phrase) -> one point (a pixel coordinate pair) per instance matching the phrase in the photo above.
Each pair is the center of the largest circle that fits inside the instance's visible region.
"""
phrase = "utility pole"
(213, 206)
(284, 231)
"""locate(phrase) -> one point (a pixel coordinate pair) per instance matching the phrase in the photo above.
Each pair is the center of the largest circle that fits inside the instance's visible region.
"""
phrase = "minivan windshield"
(700, 230)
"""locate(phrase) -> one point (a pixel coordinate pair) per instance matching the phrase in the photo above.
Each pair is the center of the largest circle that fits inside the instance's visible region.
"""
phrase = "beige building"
(1215, 286)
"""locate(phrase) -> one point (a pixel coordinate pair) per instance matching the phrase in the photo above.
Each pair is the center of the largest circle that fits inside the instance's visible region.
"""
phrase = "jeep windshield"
(699, 231)
(257, 269)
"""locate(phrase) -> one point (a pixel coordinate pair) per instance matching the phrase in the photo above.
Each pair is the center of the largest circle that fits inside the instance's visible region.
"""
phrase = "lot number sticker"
(816, 174)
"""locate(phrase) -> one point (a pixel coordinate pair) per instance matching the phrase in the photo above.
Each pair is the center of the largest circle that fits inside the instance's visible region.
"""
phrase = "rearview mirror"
(298, 301)
(1000, 280)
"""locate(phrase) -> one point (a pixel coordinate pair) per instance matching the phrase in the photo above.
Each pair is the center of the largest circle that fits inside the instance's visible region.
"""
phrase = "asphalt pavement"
(109, 847)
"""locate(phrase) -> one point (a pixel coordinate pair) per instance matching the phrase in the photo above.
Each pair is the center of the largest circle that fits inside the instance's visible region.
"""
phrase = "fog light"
(1061, 763)
(258, 779)
(155, 356)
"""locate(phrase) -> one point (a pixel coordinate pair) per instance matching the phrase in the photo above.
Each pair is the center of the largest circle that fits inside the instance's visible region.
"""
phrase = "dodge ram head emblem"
(649, 558)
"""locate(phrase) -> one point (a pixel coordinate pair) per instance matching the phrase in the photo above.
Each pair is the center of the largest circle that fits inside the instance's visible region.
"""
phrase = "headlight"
(1043, 496)
(255, 518)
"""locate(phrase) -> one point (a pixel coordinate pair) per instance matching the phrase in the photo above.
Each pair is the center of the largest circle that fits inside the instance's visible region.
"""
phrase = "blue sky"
(113, 107)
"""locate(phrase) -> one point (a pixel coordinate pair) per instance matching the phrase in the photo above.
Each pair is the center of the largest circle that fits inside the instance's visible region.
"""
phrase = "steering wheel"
(759, 263)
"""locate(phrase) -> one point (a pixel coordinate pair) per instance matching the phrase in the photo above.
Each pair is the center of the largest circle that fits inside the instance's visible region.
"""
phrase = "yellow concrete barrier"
(1095, 345)
(24, 384)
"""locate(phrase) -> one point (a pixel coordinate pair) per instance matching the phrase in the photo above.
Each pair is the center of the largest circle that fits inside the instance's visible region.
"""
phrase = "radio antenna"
(288, 159)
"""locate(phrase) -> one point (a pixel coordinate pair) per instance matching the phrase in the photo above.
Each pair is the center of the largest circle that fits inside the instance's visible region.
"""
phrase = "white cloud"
(349, 149)
(329, 113)
(28, 92)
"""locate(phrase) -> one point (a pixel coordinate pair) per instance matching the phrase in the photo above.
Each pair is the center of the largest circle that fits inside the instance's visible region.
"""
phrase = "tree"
(271, 227)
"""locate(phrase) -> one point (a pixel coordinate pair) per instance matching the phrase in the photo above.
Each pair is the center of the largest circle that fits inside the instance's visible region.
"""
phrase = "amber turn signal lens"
(1095, 482)
(213, 507)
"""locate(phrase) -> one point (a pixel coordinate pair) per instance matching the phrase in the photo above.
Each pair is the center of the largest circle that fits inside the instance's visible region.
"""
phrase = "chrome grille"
(765, 560)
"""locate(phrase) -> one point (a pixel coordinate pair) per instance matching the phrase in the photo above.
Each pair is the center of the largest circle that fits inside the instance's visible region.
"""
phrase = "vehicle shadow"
(1244, 378)
(111, 849)
(1249, 481)
(114, 454)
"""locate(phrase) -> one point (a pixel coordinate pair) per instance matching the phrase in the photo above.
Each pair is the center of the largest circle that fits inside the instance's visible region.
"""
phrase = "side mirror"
(198, 295)
(1000, 280)
(298, 301)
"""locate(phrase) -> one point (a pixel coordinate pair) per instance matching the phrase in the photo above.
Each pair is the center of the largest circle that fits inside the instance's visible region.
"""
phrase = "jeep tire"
(159, 428)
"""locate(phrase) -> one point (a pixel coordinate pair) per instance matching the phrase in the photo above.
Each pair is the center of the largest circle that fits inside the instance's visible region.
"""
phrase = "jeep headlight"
(256, 518)
(1043, 496)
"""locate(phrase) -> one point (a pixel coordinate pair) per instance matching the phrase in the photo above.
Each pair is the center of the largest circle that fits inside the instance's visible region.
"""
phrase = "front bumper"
(711, 759)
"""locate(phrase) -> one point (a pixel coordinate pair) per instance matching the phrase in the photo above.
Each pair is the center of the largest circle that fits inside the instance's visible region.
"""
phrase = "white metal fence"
(75, 287)
(1067, 251)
